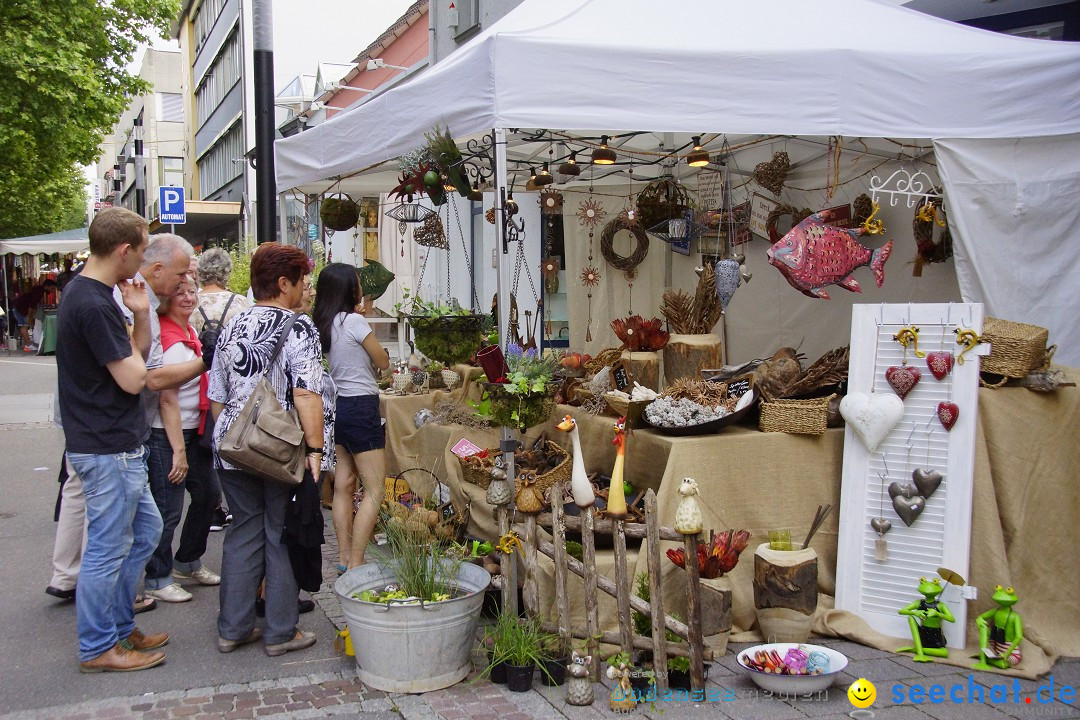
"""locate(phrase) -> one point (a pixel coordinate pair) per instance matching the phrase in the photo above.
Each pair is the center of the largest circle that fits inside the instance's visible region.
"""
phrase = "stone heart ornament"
(927, 481)
(948, 413)
(940, 364)
(902, 379)
(872, 416)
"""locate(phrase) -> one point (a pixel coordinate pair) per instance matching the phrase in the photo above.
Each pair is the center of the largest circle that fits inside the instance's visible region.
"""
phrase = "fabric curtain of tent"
(1016, 232)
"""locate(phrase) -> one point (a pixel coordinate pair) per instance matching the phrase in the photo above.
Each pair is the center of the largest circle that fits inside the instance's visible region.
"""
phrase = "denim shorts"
(359, 427)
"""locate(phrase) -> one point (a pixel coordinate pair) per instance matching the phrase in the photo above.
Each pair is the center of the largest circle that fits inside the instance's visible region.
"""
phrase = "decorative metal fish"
(814, 254)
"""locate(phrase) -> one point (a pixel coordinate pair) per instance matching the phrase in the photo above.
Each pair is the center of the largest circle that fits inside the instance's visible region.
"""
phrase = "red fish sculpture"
(814, 254)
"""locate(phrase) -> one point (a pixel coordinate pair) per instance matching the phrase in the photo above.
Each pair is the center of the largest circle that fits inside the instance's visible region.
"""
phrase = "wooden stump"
(716, 613)
(644, 368)
(686, 355)
(785, 592)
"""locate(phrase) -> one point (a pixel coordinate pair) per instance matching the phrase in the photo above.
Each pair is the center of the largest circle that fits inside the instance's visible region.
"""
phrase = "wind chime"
(551, 204)
(590, 214)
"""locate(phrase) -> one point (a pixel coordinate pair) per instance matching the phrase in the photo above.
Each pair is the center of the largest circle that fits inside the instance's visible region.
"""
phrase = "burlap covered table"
(1026, 502)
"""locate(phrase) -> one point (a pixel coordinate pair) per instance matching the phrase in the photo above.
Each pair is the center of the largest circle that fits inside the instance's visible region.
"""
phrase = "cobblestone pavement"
(730, 693)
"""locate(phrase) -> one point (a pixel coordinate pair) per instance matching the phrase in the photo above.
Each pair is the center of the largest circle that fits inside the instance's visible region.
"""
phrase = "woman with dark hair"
(253, 542)
(352, 353)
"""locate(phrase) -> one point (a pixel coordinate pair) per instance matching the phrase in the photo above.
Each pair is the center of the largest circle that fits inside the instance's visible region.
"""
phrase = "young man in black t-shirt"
(100, 374)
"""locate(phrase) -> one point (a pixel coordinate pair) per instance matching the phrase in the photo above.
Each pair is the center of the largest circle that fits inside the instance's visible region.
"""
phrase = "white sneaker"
(202, 575)
(170, 594)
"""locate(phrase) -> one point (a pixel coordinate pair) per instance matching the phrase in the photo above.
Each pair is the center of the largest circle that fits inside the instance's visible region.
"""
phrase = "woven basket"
(629, 409)
(799, 417)
(479, 474)
(1015, 348)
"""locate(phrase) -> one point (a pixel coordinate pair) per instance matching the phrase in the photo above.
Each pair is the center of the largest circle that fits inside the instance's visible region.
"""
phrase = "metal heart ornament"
(909, 509)
(881, 525)
(727, 280)
(940, 364)
(872, 417)
(906, 490)
(927, 481)
(902, 379)
(948, 413)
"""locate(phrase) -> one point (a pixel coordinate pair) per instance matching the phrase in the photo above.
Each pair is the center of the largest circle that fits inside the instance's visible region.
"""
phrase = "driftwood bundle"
(706, 394)
(695, 316)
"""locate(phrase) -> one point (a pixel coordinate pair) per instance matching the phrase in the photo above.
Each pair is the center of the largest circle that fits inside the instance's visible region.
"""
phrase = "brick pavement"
(341, 695)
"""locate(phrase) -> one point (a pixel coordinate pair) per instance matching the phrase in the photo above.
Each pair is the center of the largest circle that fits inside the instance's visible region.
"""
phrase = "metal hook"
(913, 425)
(885, 462)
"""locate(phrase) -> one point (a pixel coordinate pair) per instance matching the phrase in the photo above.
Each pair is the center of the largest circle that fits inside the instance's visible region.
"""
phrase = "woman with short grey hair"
(216, 301)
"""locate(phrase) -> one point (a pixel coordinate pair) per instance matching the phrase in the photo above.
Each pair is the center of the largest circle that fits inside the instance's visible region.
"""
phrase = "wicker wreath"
(431, 234)
(626, 263)
(797, 216)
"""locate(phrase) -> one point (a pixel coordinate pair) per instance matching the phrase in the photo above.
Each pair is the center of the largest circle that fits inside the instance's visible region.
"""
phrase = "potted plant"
(556, 655)
(715, 559)
(527, 398)
(642, 341)
(444, 332)
(632, 683)
(413, 612)
(516, 644)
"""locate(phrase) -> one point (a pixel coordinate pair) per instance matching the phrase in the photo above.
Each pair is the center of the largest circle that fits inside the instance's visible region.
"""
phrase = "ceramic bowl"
(794, 684)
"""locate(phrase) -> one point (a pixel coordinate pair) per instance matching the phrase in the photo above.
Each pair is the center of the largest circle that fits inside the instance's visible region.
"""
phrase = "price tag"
(739, 386)
(620, 376)
(881, 550)
(463, 448)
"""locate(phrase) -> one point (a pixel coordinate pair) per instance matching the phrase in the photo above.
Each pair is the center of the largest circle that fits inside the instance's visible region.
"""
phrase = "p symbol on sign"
(171, 197)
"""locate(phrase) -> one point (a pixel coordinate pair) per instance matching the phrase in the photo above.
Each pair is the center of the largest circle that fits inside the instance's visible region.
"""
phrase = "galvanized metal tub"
(412, 648)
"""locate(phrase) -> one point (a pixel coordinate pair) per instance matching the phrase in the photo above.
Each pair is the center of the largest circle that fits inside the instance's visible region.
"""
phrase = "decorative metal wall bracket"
(478, 160)
(511, 229)
(917, 187)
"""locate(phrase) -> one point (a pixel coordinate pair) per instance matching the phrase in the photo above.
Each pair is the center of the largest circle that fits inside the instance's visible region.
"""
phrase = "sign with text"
(760, 207)
(463, 448)
(710, 190)
(171, 205)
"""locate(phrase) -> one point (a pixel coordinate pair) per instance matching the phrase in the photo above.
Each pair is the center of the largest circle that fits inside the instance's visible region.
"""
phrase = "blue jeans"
(202, 484)
(123, 527)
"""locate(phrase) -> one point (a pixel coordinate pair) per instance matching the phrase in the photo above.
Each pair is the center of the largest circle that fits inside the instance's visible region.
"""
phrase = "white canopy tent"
(65, 241)
(852, 68)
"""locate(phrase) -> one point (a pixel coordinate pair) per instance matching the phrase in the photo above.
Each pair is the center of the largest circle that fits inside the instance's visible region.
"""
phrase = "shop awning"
(65, 241)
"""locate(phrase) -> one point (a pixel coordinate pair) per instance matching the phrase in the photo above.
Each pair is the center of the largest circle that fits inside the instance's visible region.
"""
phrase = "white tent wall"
(1017, 230)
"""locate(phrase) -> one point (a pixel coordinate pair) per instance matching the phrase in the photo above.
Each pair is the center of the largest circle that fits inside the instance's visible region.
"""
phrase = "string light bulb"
(544, 178)
(475, 195)
(698, 157)
(603, 155)
(570, 167)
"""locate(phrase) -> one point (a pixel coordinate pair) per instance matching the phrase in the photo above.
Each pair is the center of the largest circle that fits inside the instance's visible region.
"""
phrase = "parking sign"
(171, 204)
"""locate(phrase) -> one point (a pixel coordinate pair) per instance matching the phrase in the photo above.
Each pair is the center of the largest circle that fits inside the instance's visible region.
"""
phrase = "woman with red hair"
(253, 542)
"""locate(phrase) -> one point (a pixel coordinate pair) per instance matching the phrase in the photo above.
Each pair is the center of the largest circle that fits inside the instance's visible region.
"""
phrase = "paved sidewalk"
(340, 695)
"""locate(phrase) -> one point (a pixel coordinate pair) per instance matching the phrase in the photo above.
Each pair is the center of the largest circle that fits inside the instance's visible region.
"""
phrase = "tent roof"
(860, 68)
(65, 241)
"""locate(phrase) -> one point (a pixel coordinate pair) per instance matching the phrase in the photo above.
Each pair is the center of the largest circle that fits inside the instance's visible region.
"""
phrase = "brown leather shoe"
(138, 640)
(121, 659)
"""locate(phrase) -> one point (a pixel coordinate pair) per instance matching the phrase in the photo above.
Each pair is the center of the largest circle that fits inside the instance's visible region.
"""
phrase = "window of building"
(170, 107)
(205, 19)
(217, 166)
(171, 171)
(224, 72)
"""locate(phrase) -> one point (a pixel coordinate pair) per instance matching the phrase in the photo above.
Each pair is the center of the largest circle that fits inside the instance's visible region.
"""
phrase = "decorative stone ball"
(422, 417)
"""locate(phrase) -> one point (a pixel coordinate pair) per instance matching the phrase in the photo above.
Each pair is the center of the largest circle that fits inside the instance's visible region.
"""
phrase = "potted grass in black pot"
(516, 644)
(556, 655)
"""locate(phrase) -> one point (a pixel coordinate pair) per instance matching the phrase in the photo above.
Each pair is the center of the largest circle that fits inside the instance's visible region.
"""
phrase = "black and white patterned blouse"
(243, 352)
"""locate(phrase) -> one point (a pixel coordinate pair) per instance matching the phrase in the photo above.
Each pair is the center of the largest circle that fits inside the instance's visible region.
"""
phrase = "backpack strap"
(207, 322)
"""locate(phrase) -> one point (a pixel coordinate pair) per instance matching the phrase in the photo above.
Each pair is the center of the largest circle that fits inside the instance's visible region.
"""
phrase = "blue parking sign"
(171, 205)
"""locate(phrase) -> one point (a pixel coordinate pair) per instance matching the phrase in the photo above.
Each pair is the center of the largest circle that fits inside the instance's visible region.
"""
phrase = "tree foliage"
(63, 84)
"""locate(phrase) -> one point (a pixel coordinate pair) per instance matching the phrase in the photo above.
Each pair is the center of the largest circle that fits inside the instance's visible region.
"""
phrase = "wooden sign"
(760, 207)
(620, 376)
(739, 386)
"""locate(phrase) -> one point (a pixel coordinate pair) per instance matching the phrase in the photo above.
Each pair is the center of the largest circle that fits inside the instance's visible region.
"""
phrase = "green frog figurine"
(924, 617)
(1000, 633)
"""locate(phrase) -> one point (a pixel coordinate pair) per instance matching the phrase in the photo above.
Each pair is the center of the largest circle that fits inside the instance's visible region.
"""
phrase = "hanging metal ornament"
(406, 213)
(591, 213)
(432, 234)
(551, 202)
(550, 268)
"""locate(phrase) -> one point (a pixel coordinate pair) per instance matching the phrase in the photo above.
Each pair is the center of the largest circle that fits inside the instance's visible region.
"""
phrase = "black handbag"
(266, 440)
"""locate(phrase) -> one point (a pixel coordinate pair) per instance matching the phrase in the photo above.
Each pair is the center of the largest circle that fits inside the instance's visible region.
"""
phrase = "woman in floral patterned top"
(253, 542)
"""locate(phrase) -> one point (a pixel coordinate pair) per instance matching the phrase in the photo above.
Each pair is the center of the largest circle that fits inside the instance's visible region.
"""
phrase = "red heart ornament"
(902, 379)
(948, 413)
(940, 364)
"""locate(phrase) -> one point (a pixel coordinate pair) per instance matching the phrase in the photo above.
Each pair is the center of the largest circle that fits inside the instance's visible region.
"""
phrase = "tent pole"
(509, 590)
(7, 305)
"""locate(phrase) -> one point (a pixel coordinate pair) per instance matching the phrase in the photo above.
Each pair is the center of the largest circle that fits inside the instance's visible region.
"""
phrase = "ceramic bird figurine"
(579, 480)
(529, 498)
(688, 515)
(616, 499)
(579, 688)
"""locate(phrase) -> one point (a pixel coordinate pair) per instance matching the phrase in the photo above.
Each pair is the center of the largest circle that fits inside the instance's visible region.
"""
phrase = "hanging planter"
(663, 199)
(339, 213)
(450, 339)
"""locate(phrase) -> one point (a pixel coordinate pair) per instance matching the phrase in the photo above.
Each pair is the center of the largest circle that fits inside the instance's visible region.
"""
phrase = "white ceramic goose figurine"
(579, 481)
(688, 515)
